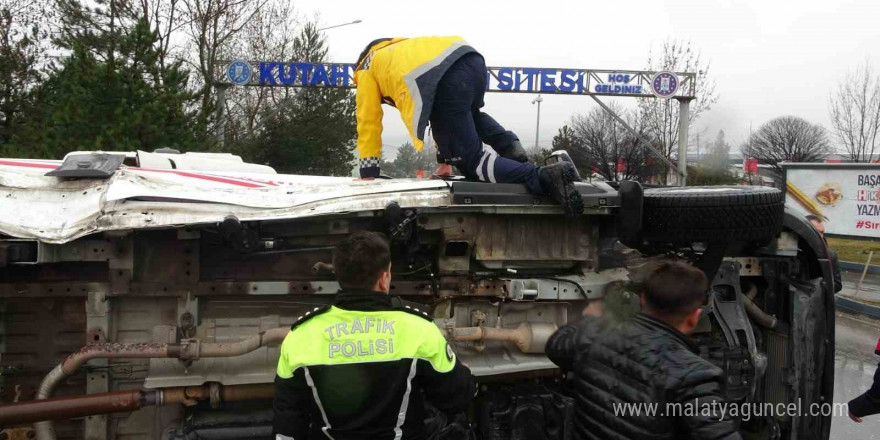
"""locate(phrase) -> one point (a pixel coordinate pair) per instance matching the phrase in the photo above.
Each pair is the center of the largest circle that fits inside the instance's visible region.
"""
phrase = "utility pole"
(750, 149)
(683, 119)
(699, 156)
(538, 101)
(221, 115)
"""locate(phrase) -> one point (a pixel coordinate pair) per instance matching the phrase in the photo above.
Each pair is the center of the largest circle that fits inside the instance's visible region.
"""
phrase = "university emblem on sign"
(664, 84)
(239, 72)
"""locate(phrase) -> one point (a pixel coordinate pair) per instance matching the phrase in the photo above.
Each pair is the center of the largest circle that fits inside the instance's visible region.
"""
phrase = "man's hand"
(442, 170)
(595, 309)
(854, 418)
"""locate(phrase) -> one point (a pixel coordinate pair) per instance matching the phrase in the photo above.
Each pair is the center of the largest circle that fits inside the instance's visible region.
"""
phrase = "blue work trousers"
(460, 128)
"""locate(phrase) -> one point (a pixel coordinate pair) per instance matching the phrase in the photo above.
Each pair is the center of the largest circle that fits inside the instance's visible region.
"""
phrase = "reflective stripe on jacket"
(362, 369)
(404, 73)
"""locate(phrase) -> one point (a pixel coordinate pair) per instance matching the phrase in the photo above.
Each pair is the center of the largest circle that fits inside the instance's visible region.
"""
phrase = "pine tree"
(24, 47)
(313, 131)
(409, 161)
(123, 102)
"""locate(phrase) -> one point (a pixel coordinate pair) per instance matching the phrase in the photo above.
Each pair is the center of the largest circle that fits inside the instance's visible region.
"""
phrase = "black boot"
(513, 151)
(558, 181)
(562, 156)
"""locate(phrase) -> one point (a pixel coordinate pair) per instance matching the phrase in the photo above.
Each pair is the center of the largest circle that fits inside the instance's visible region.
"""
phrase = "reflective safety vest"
(362, 368)
(401, 72)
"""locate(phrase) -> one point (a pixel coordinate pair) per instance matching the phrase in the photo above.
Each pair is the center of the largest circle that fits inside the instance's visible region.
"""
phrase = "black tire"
(713, 213)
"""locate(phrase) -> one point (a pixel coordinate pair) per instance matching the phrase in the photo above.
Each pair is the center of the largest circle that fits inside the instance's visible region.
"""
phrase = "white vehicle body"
(163, 288)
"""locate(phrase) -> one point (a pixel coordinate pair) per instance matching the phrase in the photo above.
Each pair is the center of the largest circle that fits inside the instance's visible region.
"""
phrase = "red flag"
(621, 166)
(421, 174)
(750, 166)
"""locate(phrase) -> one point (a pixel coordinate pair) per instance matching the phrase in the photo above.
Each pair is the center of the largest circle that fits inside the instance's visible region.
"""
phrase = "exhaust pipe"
(528, 337)
(187, 350)
(68, 407)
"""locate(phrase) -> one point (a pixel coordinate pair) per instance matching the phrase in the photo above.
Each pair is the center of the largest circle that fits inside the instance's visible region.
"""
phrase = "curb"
(850, 266)
(853, 306)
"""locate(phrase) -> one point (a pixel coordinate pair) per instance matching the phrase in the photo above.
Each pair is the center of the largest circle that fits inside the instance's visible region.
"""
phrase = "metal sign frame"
(534, 80)
(565, 81)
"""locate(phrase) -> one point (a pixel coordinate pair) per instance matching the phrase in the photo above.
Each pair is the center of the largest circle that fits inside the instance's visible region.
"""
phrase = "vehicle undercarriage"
(172, 329)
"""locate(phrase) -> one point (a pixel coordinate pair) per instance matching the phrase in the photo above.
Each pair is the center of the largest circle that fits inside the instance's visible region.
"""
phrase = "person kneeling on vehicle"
(624, 369)
(443, 80)
(363, 367)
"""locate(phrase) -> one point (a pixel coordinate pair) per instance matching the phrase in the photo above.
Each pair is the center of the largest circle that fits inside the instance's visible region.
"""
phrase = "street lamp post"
(339, 25)
(538, 101)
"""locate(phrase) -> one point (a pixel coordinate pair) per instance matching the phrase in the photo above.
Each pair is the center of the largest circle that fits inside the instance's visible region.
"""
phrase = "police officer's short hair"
(360, 259)
(674, 289)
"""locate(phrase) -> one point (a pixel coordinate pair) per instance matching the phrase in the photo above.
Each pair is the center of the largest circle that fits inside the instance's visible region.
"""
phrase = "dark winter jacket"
(835, 270)
(644, 363)
(869, 403)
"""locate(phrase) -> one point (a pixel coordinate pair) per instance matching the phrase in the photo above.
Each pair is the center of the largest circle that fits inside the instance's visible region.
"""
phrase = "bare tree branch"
(661, 116)
(212, 26)
(855, 113)
(787, 139)
(601, 143)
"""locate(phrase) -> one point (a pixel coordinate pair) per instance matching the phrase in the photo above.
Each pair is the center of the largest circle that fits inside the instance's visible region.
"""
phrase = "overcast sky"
(768, 57)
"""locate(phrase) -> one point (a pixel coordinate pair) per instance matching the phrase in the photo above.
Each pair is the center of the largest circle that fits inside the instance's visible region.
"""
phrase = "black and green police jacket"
(363, 368)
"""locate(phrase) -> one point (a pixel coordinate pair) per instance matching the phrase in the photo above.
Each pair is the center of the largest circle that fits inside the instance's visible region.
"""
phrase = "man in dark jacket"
(819, 225)
(869, 403)
(364, 367)
(643, 379)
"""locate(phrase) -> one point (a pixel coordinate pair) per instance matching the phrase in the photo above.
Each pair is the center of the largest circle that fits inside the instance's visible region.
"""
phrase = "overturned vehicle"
(144, 295)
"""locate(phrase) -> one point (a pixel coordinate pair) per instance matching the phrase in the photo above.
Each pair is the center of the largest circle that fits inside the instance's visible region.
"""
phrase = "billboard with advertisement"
(847, 195)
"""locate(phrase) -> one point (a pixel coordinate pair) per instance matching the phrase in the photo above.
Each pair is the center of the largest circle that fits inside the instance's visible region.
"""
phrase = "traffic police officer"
(363, 367)
(869, 403)
(443, 80)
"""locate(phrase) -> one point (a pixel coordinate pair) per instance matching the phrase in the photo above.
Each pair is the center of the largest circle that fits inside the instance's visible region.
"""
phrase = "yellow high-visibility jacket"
(368, 367)
(404, 73)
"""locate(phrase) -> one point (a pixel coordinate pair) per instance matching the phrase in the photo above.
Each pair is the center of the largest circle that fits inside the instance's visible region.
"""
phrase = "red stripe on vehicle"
(247, 179)
(228, 180)
(28, 164)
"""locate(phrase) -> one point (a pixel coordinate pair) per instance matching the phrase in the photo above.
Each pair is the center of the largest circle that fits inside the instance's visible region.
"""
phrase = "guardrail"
(853, 306)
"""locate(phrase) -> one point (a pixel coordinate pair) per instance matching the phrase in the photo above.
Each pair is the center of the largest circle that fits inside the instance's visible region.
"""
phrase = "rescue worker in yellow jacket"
(368, 367)
(442, 80)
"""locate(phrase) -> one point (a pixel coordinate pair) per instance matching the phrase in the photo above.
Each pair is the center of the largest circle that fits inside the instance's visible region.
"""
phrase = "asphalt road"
(855, 363)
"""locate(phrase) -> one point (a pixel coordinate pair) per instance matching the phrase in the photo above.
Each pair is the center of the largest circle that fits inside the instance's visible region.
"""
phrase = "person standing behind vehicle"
(443, 80)
(868, 403)
(819, 225)
(363, 367)
(622, 369)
